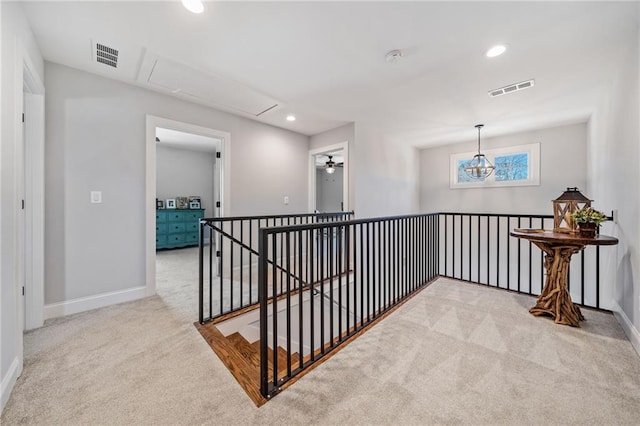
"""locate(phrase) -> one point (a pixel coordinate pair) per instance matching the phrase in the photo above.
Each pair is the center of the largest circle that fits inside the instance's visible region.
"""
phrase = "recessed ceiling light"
(496, 51)
(291, 117)
(194, 6)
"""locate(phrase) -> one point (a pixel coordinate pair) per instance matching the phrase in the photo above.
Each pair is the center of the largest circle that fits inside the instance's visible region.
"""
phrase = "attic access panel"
(209, 88)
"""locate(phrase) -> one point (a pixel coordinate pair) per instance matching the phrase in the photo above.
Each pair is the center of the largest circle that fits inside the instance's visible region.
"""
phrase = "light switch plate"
(286, 199)
(96, 197)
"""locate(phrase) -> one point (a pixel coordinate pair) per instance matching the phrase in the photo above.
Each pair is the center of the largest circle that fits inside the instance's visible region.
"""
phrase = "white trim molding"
(629, 329)
(88, 303)
(8, 382)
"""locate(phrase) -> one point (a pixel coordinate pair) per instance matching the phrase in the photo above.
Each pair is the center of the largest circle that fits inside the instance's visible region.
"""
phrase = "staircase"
(250, 352)
(242, 358)
(236, 341)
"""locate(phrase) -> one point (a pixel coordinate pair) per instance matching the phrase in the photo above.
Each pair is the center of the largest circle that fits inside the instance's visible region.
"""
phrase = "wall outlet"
(286, 200)
(96, 197)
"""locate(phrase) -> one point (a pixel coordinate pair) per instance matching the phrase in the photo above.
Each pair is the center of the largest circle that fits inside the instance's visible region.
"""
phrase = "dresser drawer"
(192, 227)
(175, 216)
(175, 238)
(174, 227)
(161, 228)
(161, 216)
(193, 215)
(191, 237)
(161, 240)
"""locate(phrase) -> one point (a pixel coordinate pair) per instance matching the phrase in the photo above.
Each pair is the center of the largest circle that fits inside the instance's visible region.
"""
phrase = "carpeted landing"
(455, 354)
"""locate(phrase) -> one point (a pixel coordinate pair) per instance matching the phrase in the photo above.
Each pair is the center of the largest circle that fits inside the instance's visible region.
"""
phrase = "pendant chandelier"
(479, 167)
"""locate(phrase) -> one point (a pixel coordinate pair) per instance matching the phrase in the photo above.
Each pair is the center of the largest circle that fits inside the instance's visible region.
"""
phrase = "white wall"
(615, 181)
(340, 134)
(562, 164)
(96, 141)
(17, 39)
(386, 175)
(181, 172)
(329, 190)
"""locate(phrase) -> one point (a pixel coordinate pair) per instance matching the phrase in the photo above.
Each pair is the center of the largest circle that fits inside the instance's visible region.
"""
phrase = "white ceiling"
(324, 61)
(181, 140)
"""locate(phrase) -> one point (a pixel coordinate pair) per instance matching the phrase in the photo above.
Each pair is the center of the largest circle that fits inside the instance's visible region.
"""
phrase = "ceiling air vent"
(106, 55)
(512, 88)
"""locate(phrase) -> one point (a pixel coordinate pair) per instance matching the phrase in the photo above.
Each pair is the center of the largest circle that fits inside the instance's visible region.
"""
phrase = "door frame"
(222, 173)
(29, 157)
(344, 146)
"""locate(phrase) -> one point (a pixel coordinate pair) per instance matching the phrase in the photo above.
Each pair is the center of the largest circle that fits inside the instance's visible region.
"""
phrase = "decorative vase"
(588, 230)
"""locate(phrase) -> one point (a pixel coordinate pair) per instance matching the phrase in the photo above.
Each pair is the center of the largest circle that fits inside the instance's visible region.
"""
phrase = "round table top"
(545, 236)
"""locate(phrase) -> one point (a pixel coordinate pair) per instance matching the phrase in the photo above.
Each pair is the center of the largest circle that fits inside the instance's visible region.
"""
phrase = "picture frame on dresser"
(159, 204)
(182, 202)
(194, 205)
(171, 203)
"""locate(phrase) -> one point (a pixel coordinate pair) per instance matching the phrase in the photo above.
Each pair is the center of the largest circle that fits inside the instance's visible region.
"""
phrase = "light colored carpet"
(455, 354)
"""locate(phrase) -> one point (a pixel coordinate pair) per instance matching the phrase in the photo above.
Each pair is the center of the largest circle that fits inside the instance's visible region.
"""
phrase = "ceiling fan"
(330, 166)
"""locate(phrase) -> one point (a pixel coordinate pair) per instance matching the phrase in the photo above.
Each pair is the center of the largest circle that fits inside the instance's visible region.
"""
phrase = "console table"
(555, 299)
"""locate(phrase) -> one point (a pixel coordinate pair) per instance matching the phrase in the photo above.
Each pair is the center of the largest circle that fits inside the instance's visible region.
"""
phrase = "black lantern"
(563, 206)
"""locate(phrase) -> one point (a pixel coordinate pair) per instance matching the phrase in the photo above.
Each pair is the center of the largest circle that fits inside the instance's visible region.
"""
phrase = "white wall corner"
(629, 329)
(9, 381)
(88, 303)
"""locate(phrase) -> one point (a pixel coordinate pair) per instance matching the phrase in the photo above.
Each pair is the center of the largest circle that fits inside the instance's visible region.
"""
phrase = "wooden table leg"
(555, 299)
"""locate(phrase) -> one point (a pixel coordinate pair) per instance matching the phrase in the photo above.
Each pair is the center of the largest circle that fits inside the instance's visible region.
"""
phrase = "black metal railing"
(477, 247)
(319, 279)
(358, 271)
(229, 278)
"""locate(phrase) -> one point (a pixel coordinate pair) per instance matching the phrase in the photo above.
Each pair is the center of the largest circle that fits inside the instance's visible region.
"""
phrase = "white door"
(21, 217)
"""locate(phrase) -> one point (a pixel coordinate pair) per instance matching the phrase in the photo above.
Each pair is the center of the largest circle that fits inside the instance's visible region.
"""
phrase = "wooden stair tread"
(282, 359)
(246, 349)
(245, 373)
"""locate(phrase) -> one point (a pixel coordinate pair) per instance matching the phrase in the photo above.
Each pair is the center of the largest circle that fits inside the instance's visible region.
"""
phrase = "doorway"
(186, 176)
(182, 137)
(329, 178)
(329, 182)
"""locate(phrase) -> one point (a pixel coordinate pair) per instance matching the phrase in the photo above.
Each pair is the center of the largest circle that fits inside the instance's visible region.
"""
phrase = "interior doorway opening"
(182, 144)
(330, 182)
(329, 178)
(186, 184)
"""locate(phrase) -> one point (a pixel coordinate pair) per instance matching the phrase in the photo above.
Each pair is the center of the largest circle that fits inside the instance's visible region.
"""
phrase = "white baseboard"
(629, 329)
(82, 304)
(8, 381)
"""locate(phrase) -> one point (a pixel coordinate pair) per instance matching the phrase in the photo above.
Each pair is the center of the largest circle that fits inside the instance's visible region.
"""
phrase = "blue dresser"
(177, 228)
